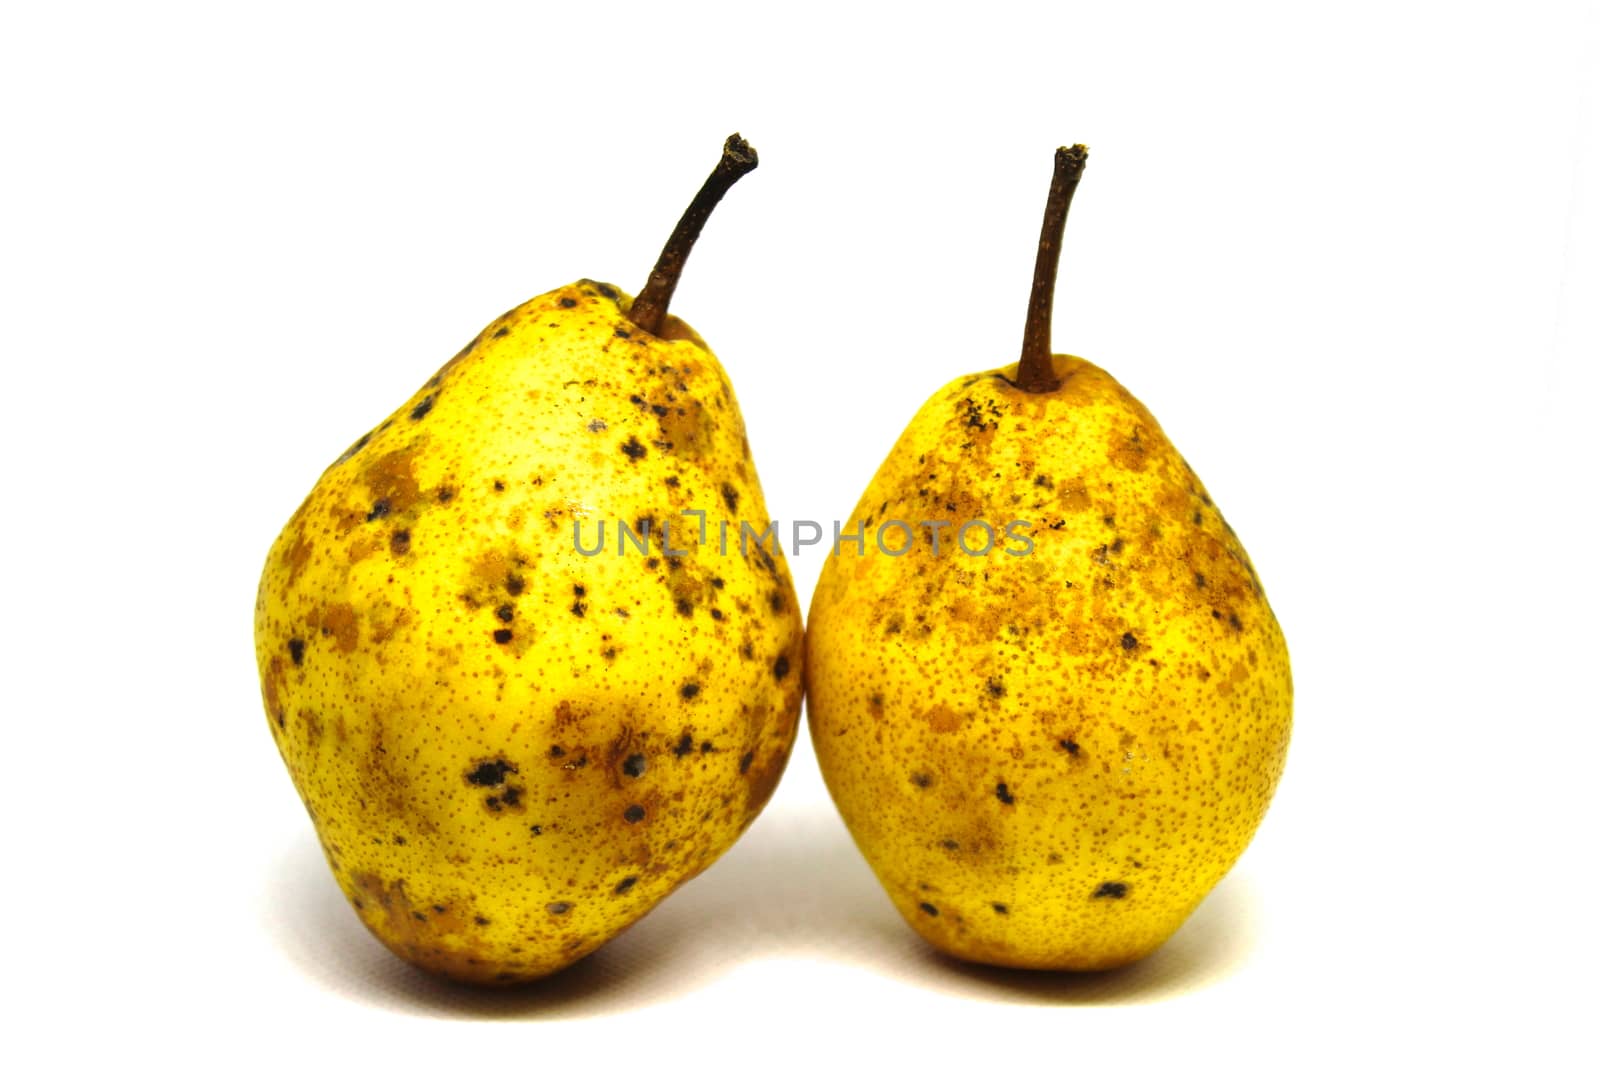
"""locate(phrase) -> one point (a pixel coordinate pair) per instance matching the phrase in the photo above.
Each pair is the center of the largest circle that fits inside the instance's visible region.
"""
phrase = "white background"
(1346, 253)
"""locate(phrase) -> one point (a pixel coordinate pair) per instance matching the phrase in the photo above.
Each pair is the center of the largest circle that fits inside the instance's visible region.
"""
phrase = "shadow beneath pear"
(793, 886)
(315, 927)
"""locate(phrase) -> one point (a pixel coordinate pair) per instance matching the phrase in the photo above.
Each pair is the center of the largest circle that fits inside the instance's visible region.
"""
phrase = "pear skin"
(512, 747)
(1052, 734)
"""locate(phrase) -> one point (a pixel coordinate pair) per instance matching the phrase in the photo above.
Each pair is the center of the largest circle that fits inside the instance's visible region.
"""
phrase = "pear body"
(1050, 752)
(510, 748)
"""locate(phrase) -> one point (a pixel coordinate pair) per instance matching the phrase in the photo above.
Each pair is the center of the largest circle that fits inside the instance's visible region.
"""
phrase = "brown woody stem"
(649, 310)
(1035, 373)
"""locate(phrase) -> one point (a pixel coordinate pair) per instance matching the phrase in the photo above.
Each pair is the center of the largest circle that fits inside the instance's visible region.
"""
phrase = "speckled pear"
(1049, 751)
(513, 746)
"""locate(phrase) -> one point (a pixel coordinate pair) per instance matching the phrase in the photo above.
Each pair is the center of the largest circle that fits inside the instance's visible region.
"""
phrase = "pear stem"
(1035, 373)
(649, 310)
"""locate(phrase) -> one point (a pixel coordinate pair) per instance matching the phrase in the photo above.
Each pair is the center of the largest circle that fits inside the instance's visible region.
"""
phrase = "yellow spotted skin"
(510, 750)
(1047, 758)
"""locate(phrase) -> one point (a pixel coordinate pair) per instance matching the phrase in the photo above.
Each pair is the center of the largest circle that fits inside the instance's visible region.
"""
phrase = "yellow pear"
(1046, 691)
(511, 744)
